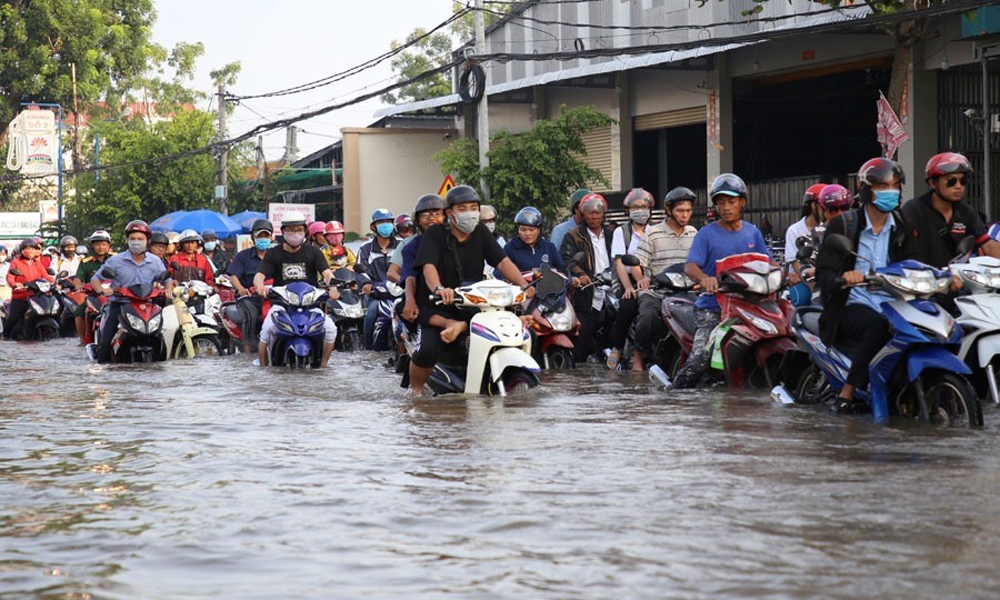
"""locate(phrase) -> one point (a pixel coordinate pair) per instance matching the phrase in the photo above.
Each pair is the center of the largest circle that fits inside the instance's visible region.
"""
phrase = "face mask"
(262, 243)
(467, 221)
(491, 226)
(137, 246)
(335, 239)
(639, 216)
(295, 239)
(384, 230)
(210, 246)
(887, 200)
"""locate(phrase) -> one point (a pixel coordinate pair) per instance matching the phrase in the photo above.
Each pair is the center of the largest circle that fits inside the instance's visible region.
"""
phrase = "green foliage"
(108, 40)
(539, 168)
(110, 199)
(429, 53)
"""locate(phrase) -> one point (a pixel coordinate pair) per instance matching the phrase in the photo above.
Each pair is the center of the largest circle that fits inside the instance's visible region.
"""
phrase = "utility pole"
(77, 158)
(220, 190)
(482, 119)
(987, 135)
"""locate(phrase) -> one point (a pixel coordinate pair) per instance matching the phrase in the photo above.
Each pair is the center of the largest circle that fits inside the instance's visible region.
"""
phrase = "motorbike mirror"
(163, 276)
(964, 247)
(801, 241)
(343, 274)
(630, 260)
(62, 274)
(805, 252)
(15, 272)
(175, 265)
(50, 271)
(360, 268)
(108, 272)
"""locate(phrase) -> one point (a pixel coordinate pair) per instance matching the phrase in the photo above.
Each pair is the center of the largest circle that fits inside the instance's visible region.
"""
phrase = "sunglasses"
(953, 181)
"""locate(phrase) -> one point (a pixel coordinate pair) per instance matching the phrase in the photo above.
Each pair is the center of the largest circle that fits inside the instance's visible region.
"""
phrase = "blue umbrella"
(200, 220)
(165, 223)
(246, 219)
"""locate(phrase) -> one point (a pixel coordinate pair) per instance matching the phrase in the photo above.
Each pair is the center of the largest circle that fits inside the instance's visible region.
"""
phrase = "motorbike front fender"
(987, 347)
(503, 358)
(300, 346)
(558, 339)
(937, 357)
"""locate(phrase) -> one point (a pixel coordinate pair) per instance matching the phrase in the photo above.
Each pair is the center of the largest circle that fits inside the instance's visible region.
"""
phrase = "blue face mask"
(384, 229)
(886, 200)
(262, 244)
(210, 246)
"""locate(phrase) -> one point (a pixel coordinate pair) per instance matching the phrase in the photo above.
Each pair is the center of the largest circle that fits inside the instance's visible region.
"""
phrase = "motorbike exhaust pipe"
(657, 375)
(780, 394)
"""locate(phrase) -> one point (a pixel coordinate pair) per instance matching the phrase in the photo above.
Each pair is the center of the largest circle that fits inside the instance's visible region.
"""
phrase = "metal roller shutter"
(670, 118)
(599, 156)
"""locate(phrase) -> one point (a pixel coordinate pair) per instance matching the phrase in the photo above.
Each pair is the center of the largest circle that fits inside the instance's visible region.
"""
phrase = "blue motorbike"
(916, 374)
(300, 334)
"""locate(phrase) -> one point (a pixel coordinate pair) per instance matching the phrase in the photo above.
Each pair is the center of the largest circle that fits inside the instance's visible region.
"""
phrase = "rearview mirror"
(360, 268)
(630, 260)
(805, 252)
(51, 271)
(163, 276)
(62, 274)
(967, 244)
(839, 243)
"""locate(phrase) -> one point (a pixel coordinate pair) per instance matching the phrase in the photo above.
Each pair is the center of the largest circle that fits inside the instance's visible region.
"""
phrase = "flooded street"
(215, 479)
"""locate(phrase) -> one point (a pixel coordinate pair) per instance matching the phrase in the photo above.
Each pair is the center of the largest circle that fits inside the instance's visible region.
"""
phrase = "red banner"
(890, 130)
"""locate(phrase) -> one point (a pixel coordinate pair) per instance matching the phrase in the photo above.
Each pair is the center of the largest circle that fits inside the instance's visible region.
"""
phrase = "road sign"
(446, 185)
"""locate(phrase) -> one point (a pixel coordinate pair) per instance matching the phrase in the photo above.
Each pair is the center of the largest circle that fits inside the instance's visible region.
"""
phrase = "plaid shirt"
(662, 247)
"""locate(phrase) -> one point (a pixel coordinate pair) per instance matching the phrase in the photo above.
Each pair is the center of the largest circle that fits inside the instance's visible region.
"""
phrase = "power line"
(355, 69)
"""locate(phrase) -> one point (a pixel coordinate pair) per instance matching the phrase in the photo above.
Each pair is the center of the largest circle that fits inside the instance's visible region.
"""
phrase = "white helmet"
(293, 217)
(189, 235)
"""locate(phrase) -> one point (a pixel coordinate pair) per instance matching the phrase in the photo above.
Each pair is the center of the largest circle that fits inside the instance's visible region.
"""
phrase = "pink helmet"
(835, 197)
(316, 227)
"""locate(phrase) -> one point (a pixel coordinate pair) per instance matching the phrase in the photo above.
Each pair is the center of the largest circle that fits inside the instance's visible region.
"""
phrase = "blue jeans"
(370, 317)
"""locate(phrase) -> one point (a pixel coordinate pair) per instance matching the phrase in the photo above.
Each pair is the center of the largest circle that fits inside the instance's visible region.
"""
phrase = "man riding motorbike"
(728, 236)
(242, 270)
(67, 259)
(293, 260)
(374, 257)
(100, 245)
(449, 255)
(575, 218)
(189, 264)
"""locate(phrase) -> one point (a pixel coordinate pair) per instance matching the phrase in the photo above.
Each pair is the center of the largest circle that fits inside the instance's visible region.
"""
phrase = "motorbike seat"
(684, 313)
(810, 320)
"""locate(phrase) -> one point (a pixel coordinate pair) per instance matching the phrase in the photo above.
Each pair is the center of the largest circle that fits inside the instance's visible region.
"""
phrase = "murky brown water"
(213, 479)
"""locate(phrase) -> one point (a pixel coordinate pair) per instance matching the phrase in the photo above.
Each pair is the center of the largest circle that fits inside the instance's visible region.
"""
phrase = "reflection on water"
(210, 479)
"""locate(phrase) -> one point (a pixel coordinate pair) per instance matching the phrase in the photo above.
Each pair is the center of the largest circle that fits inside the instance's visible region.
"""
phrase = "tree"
(40, 40)
(540, 167)
(906, 34)
(110, 199)
(429, 53)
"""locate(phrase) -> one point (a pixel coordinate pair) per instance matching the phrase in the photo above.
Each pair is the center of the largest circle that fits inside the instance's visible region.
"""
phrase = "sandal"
(614, 357)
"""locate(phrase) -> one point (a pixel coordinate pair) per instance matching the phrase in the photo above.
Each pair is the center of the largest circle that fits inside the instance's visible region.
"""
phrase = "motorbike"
(139, 338)
(917, 374)
(553, 320)
(347, 312)
(196, 306)
(41, 321)
(69, 302)
(979, 317)
(677, 311)
(299, 333)
(387, 294)
(498, 359)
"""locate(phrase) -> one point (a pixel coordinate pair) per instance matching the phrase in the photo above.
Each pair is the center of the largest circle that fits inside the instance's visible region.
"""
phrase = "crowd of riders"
(449, 241)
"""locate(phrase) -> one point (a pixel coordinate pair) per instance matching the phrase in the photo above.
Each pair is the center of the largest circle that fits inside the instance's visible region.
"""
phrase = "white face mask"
(639, 216)
(491, 226)
(295, 239)
(466, 222)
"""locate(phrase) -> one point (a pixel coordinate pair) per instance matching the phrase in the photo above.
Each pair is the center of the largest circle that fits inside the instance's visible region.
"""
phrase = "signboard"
(19, 224)
(34, 147)
(49, 210)
(243, 241)
(275, 211)
(446, 185)
(889, 129)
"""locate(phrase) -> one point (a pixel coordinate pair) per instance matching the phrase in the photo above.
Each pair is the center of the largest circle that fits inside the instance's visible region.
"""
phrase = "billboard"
(19, 224)
(275, 210)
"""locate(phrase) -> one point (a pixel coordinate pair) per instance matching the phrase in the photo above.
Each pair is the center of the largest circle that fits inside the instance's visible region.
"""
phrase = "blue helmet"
(381, 214)
(530, 216)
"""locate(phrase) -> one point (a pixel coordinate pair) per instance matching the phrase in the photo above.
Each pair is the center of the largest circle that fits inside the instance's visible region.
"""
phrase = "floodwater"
(214, 479)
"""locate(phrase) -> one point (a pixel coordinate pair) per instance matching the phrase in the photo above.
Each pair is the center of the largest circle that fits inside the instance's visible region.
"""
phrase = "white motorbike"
(979, 316)
(498, 361)
(195, 306)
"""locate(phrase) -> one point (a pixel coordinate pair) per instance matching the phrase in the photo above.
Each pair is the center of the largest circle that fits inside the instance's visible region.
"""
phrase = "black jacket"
(578, 240)
(831, 264)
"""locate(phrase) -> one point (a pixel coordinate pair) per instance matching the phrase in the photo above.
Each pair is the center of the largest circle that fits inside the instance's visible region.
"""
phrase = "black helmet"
(460, 194)
(679, 194)
(728, 184)
(159, 238)
(878, 170)
(67, 240)
(261, 225)
(530, 216)
(428, 202)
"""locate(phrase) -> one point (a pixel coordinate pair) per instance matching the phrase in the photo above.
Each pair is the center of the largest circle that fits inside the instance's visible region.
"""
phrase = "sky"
(283, 44)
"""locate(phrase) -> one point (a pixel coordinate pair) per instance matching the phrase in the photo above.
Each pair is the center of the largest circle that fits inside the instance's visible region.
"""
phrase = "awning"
(622, 63)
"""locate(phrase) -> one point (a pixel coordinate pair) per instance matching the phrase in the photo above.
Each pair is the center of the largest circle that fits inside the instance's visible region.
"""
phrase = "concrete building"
(785, 98)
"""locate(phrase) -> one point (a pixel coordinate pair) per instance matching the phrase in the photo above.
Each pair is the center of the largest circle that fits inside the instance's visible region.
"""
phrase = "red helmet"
(812, 193)
(835, 196)
(334, 227)
(140, 226)
(947, 163)
(316, 227)
(592, 199)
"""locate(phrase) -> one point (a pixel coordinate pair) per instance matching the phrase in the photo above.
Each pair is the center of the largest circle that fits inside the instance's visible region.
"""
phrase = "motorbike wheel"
(812, 388)
(352, 342)
(206, 345)
(47, 334)
(952, 401)
(516, 381)
(561, 358)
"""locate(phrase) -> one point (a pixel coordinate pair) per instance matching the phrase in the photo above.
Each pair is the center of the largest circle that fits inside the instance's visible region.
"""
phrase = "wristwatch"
(438, 288)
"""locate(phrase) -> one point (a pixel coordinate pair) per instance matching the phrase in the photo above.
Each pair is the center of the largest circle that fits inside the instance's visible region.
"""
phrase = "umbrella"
(165, 223)
(200, 220)
(246, 219)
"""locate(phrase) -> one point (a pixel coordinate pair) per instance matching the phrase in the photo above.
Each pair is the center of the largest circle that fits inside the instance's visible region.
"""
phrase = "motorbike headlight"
(156, 323)
(315, 326)
(500, 297)
(988, 277)
(761, 324)
(136, 323)
(561, 322)
(918, 281)
(355, 311)
(340, 312)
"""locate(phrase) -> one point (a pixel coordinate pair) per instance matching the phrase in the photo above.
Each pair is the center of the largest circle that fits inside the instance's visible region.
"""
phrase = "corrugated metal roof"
(624, 63)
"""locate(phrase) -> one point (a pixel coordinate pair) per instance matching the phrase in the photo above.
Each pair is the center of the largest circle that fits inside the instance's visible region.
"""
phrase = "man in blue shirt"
(246, 312)
(575, 218)
(130, 268)
(728, 236)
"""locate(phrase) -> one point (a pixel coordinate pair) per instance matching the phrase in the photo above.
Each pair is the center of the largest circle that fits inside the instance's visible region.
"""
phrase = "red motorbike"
(553, 320)
(140, 329)
(754, 331)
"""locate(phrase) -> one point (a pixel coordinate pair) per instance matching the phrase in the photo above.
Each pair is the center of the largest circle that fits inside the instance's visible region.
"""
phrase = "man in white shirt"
(67, 259)
(811, 217)
(593, 240)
